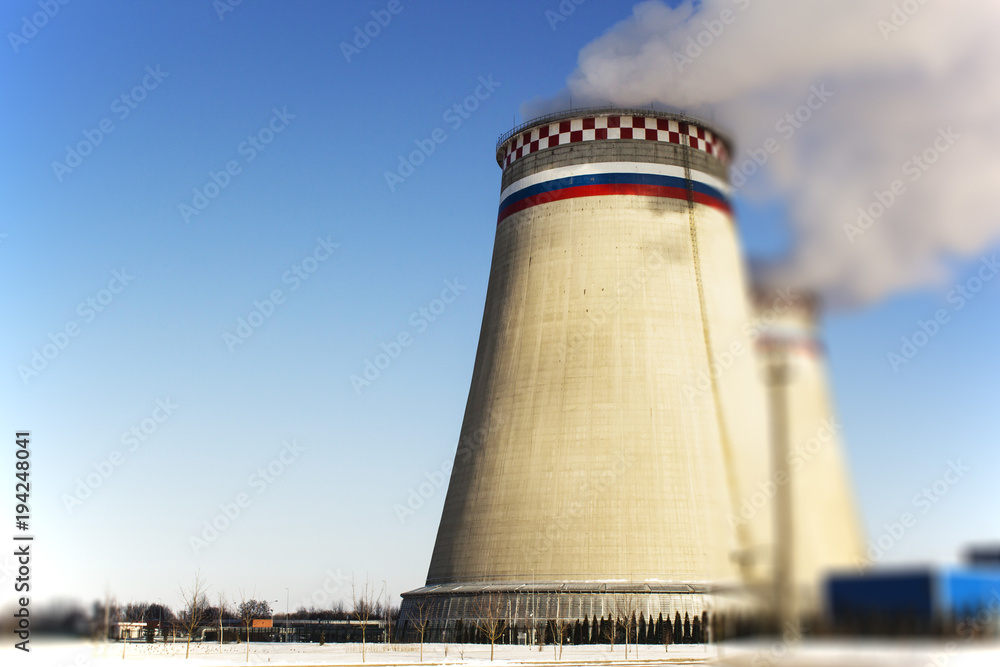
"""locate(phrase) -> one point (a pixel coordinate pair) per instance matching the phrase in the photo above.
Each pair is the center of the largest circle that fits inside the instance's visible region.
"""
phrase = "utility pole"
(107, 617)
(275, 602)
(388, 613)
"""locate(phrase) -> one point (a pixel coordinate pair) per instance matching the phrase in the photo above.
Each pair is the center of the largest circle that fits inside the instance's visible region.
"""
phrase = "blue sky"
(320, 182)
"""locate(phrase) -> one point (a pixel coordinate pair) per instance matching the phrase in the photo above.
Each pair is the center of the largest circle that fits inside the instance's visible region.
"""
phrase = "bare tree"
(130, 613)
(625, 606)
(421, 618)
(363, 601)
(610, 631)
(248, 610)
(223, 612)
(490, 617)
(195, 608)
(102, 616)
(562, 629)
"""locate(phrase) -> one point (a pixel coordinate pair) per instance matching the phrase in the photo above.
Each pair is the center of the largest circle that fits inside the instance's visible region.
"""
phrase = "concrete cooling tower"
(604, 451)
(821, 527)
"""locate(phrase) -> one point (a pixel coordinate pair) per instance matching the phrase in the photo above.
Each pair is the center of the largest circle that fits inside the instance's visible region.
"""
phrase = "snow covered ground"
(736, 654)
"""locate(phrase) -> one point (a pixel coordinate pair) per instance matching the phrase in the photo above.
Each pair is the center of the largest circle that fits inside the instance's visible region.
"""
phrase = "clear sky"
(167, 166)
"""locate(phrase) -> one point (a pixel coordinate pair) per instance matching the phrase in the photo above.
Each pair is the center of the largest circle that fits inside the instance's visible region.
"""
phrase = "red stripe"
(610, 189)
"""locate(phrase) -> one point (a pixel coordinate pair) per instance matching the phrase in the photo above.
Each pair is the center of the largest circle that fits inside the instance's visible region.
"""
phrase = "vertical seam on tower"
(727, 454)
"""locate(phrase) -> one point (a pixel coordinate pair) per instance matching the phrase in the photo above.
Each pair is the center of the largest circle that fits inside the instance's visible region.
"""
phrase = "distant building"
(983, 555)
(295, 630)
(948, 600)
(131, 629)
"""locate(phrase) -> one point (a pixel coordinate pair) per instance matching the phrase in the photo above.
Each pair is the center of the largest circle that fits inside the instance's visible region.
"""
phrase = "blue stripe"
(602, 179)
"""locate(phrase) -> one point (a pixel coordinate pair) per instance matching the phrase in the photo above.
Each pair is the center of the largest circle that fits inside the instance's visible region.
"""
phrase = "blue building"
(963, 600)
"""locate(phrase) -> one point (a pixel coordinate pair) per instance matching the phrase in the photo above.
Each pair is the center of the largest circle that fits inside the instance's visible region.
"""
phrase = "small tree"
(248, 610)
(363, 600)
(421, 618)
(609, 630)
(563, 631)
(625, 606)
(668, 634)
(131, 613)
(490, 618)
(387, 610)
(195, 609)
(223, 612)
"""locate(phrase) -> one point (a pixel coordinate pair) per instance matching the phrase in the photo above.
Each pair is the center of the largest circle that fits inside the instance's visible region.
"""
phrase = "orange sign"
(261, 622)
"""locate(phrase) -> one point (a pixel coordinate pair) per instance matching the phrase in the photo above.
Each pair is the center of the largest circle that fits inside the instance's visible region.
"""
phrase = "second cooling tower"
(610, 429)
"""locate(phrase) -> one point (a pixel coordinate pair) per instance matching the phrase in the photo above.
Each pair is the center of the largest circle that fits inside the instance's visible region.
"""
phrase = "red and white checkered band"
(595, 128)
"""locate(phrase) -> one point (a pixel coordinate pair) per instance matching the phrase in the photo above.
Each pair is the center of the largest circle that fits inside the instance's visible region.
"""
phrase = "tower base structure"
(583, 612)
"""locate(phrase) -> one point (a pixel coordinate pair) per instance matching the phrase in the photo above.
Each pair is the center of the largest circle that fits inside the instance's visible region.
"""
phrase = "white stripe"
(613, 168)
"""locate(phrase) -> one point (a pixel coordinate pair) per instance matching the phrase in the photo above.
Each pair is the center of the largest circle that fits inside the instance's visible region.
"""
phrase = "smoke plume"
(888, 163)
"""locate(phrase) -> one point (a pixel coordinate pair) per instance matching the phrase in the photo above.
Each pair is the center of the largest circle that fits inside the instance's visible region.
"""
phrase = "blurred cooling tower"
(824, 531)
(603, 452)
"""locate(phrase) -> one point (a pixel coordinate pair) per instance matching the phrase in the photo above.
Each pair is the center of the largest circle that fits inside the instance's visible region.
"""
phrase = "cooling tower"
(824, 529)
(610, 430)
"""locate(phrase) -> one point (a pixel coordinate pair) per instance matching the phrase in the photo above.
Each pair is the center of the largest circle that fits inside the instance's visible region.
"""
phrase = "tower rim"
(676, 114)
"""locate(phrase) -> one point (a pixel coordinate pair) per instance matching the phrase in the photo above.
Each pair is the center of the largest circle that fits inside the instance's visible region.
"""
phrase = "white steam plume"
(902, 73)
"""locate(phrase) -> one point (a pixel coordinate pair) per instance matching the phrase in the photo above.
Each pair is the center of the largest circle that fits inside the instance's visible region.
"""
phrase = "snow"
(902, 653)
